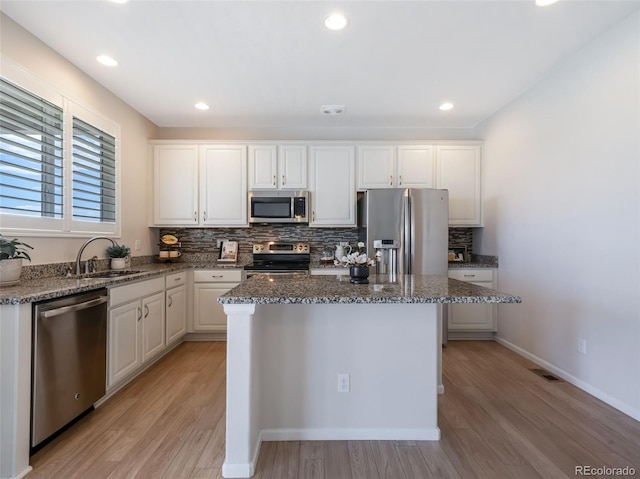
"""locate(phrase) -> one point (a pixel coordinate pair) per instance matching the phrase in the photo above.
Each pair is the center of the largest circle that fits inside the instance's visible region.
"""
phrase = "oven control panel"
(281, 248)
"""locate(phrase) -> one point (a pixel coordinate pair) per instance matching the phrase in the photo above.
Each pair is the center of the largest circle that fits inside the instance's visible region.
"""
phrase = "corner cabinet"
(208, 286)
(477, 318)
(458, 170)
(199, 185)
(333, 188)
(278, 167)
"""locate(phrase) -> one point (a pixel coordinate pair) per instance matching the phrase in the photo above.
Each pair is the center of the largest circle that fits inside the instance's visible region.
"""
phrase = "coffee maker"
(386, 256)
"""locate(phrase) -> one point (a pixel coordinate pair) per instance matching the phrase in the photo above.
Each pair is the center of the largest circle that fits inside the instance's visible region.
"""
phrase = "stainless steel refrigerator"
(407, 228)
(408, 231)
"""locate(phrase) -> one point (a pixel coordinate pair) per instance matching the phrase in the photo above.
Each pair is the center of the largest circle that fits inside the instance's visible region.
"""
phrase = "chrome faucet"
(79, 257)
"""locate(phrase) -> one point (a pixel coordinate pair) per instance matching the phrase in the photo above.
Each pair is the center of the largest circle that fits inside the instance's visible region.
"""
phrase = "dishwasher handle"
(74, 307)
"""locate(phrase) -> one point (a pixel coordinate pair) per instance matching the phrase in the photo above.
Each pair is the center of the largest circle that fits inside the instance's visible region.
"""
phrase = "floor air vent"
(546, 374)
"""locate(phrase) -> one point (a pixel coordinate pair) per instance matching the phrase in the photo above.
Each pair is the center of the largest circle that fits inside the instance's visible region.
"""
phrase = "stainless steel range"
(274, 258)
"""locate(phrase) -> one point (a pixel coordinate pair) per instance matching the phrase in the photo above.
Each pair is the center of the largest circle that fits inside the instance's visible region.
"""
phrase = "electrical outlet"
(343, 383)
(138, 245)
(582, 345)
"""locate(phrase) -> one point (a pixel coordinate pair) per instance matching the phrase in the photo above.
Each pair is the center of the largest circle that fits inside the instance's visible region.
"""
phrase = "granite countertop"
(39, 289)
(338, 289)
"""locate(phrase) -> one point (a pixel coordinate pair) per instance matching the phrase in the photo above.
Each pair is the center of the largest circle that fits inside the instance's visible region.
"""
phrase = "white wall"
(20, 47)
(562, 211)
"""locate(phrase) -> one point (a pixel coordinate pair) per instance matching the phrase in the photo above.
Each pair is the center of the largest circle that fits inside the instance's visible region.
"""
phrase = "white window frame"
(24, 225)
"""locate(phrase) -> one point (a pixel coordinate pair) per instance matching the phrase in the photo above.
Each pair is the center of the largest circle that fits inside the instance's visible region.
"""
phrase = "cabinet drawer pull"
(178, 278)
(217, 276)
(469, 275)
(139, 313)
(146, 310)
(170, 302)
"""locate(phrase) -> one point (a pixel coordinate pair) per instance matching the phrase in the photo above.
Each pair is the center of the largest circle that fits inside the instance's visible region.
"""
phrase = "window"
(30, 154)
(94, 174)
(58, 166)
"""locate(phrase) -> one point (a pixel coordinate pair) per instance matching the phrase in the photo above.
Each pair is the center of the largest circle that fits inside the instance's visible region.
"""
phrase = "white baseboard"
(351, 434)
(579, 383)
(233, 471)
(219, 336)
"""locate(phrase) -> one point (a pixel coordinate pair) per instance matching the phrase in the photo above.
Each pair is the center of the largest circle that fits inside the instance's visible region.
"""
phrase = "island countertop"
(381, 289)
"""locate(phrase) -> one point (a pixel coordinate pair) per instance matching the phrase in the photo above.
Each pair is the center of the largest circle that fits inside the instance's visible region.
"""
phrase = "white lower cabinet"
(208, 286)
(474, 317)
(176, 301)
(136, 327)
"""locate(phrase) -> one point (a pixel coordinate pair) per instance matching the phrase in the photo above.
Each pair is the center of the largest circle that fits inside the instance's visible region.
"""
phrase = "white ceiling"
(273, 63)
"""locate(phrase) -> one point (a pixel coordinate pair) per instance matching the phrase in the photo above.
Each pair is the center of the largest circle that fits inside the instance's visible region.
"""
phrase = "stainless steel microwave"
(278, 206)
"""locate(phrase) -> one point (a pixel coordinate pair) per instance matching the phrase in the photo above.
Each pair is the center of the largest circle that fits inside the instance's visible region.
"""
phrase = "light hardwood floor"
(498, 420)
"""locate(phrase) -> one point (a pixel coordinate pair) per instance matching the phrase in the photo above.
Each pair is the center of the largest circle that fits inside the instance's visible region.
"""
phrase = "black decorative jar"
(359, 274)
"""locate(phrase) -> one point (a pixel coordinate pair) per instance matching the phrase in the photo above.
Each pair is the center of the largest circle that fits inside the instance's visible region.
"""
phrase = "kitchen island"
(294, 342)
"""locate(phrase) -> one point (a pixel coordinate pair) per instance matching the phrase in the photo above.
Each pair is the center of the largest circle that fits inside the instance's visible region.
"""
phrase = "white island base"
(283, 362)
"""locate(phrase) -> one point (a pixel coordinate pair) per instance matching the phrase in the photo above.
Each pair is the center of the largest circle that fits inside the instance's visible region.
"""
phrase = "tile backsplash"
(204, 240)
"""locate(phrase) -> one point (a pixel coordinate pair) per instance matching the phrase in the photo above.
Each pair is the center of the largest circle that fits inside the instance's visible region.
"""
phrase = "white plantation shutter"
(31, 156)
(94, 174)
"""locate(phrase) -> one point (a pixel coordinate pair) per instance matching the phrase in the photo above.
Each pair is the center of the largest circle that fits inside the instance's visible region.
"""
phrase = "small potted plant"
(11, 255)
(118, 254)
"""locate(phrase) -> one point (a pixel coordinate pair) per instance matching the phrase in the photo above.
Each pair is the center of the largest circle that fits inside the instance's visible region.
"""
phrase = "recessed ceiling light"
(446, 106)
(201, 106)
(336, 21)
(544, 3)
(333, 110)
(107, 60)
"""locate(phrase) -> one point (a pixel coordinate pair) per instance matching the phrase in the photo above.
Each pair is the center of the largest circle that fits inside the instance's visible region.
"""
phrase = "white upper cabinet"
(175, 184)
(386, 166)
(223, 185)
(278, 167)
(415, 166)
(200, 185)
(332, 180)
(376, 167)
(458, 170)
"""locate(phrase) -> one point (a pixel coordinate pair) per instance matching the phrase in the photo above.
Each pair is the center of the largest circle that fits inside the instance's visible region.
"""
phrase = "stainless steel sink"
(110, 274)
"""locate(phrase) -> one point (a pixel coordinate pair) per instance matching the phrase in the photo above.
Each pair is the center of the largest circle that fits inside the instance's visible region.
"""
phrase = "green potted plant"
(12, 252)
(118, 254)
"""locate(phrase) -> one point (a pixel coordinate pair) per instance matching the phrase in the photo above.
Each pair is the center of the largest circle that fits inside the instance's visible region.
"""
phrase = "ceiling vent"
(333, 110)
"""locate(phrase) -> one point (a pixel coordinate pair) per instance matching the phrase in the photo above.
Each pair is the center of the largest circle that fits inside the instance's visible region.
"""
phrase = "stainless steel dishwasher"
(69, 360)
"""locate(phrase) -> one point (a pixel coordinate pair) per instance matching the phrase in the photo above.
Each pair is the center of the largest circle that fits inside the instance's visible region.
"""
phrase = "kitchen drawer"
(176, 279)
(135, 291)
(217, 276)
(471, 275)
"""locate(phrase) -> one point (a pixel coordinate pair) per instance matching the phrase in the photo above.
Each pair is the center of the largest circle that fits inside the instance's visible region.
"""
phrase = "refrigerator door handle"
(408, 236)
